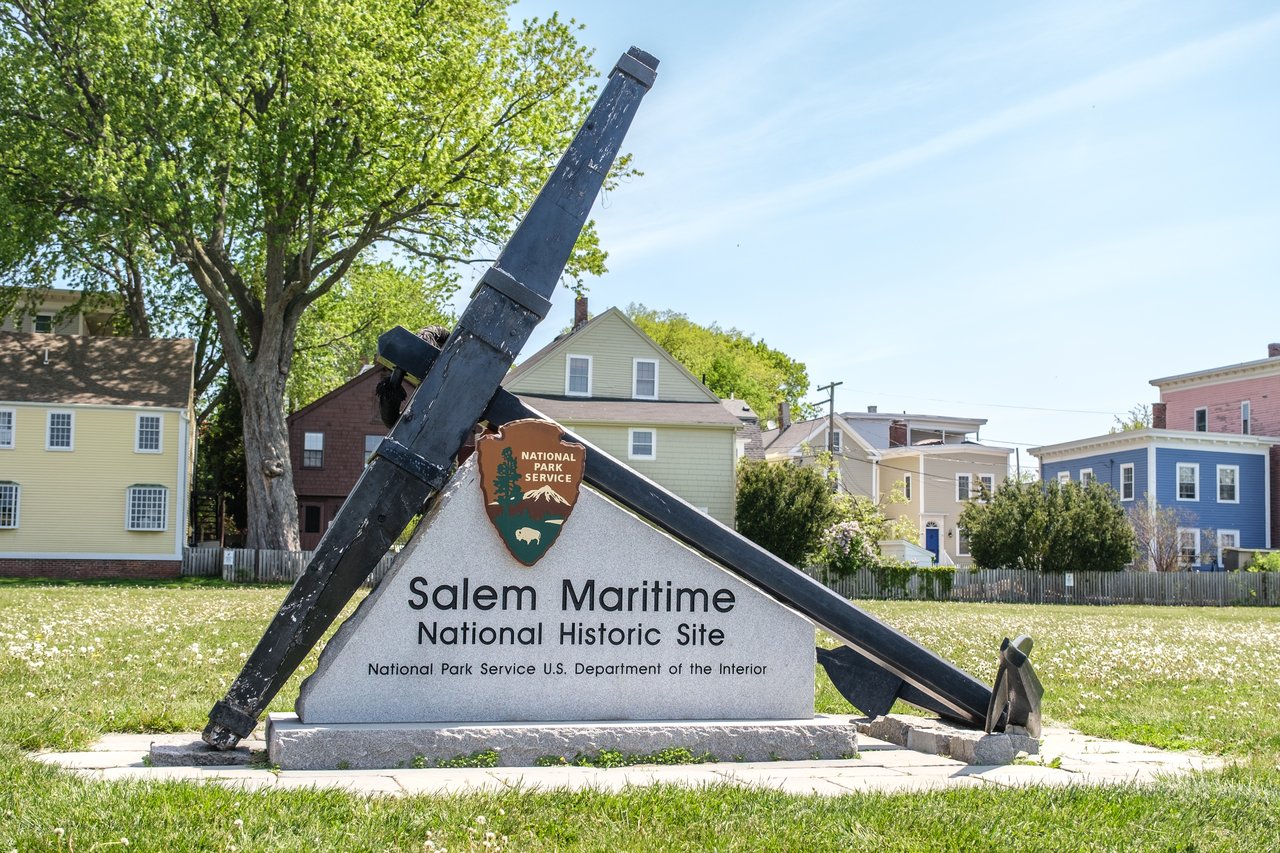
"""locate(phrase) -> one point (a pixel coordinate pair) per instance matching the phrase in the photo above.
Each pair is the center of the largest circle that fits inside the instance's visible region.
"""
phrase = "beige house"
(937, 463)
(57, 313)
(608, 381)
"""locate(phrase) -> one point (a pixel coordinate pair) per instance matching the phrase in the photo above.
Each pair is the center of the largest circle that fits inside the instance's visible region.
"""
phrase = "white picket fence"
(248, 565)
(1015, 586)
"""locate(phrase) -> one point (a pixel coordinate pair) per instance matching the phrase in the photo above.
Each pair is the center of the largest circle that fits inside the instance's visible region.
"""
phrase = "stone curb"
(937, 737)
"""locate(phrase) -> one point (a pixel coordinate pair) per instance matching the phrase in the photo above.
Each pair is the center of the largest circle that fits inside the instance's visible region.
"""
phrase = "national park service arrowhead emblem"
(530, 480)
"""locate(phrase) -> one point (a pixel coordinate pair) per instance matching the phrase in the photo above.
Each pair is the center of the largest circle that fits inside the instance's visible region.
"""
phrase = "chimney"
(898, 434)
(579, 313)
(1159, 416)
(871, 410)
(1273, 350)
(784, 415)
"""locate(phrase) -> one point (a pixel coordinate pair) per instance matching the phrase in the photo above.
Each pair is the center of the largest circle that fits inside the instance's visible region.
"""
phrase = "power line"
(992, 405)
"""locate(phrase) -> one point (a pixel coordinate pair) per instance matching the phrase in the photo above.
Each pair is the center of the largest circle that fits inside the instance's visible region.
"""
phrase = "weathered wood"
(510, 300)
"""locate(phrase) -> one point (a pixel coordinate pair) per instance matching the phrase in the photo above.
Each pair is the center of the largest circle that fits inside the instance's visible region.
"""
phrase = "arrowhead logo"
(530, 480)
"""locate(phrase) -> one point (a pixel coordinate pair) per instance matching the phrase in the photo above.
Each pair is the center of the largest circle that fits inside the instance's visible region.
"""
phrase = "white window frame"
(962, 543)
(837, 442)
(968, 488)
(1246, 411)
(369, 451)
(306, 450)
(1195, 481)
(16, 491)
(988, 482)
(1203, 411)
(1133, 480)
(635, 379)
(1235, 485)
(129, 515)
(35, 324)
(48, 430)
(137, 435)
(1086, 474)
(1064, 477)
(568, 369)
(12, 430)
(1195, 534)
(631, 443)
(1235, 535)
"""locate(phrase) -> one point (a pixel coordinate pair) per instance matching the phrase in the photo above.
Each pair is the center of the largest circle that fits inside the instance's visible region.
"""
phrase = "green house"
(608, 381)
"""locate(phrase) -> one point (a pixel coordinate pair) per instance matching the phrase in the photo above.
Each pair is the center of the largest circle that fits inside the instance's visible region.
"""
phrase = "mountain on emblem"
(530, 480)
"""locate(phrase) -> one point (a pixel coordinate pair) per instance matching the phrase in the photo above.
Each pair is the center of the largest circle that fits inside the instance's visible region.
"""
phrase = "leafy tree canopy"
(1139, 417)
(730, 362)
(783, 508)
(1049, 527)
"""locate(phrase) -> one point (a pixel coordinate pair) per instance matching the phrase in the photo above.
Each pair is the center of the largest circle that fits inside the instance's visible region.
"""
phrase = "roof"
(789, 440)
(750, 432)
(922, 420)
(1143, 437)
(602, 410)
(94, 370)
(1261, 366)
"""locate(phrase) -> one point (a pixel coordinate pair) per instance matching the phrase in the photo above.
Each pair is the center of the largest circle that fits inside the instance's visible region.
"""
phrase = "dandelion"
(238, 823)
(59, 831)
(482, 820)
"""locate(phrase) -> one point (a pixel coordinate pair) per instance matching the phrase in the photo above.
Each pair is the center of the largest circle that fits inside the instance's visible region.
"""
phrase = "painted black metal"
(515, 291)
(871, 688)
(1016, 699)
(452, 397)
(929, 680)
(429, 473)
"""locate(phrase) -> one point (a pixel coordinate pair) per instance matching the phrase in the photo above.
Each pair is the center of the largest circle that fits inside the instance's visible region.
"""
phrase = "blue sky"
(1015, 211)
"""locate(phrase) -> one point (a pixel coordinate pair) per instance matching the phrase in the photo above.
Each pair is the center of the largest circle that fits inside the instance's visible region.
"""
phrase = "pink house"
(1242, 399)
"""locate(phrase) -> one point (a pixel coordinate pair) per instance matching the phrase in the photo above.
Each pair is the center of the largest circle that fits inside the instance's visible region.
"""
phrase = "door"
(931, 532)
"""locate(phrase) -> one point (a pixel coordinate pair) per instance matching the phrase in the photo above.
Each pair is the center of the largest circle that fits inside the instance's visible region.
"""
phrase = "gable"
(613, 344)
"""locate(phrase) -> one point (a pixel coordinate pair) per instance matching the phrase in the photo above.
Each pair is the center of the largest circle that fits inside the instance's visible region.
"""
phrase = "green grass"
(77, 660)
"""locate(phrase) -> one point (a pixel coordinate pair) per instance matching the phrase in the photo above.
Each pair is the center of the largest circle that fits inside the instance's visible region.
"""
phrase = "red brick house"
(329, 443)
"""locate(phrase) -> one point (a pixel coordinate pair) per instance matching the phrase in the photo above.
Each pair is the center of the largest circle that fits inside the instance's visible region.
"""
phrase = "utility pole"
(831, 427)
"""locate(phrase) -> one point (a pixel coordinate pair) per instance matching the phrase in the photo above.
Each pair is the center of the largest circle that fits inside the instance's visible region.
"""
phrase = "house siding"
(1106, 468)
(613, 344)
(1222, 400)
(74, 502)
(1207, 512)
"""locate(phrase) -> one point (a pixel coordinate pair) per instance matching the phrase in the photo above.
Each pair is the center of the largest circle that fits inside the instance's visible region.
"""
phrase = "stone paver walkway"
(1066, 758)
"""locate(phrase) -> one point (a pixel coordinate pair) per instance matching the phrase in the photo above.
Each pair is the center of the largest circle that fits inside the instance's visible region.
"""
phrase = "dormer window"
(644, 383)
(577, 376)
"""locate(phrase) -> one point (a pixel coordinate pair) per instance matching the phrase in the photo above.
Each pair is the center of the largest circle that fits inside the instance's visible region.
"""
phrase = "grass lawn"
(79, 660)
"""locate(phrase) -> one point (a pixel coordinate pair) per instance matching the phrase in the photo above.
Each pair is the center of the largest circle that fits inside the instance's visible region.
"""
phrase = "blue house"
(1219, 483)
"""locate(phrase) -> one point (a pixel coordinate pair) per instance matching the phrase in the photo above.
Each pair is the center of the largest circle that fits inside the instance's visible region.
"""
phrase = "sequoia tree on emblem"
(530, 480)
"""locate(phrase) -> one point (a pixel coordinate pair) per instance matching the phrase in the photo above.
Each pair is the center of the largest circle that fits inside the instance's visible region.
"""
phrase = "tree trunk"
(273, 507)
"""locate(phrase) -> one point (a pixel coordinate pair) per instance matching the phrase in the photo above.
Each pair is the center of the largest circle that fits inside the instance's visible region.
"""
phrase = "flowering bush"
(847, 546)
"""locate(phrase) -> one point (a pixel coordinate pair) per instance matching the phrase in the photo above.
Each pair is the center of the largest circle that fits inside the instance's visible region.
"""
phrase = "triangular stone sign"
(618, 621)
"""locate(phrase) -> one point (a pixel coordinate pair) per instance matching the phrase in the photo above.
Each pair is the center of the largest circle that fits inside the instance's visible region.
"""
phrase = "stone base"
(196, 753)
(292, 745)
(938, 737)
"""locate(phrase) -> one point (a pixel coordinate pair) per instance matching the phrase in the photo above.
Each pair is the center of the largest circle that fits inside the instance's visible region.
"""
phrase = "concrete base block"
(293, 745)
(196, 754)
(938, 737)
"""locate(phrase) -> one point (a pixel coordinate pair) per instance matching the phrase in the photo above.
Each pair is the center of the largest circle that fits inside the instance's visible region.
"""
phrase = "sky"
(1022, 212)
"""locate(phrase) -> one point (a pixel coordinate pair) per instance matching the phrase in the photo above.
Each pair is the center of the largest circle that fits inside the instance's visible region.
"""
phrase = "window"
(7, 423)
(1202, 420)
(1126, 481)
(61, 430)
(988, 483)
(1228, 479)
(1227, 539)
(9, 495)
(1245, 411)
(641, 444)
(577, 376)
(148, 438)
(371, 443)
(1086, 476)
(836, 442)
(148, 508)
(963, 483)
(906, 486)
(1188, 545)
(644, 380)
(962, 542)
(1188, 481)
(43, 323)
(1064, 477)
(310, 518)
(313, 450)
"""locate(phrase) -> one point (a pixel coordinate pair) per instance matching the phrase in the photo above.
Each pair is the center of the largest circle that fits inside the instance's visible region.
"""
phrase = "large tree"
(784, 508)
(265, 147)
(731, 363)
(1049, 527)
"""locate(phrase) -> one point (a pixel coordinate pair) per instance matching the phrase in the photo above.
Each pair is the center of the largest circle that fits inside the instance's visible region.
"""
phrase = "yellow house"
(95, 455)
(609, 382)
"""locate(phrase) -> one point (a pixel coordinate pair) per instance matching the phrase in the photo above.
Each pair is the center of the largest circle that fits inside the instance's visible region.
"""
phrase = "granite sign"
(618, 622)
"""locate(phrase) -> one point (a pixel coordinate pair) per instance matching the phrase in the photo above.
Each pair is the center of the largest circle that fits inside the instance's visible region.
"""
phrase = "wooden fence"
(1015, 586)
(244, 565)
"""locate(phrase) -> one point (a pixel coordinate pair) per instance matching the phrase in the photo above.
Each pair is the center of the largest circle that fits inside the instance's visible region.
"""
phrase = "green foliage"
(730, 362)
(893, 578)
(783, 508)
(1049, 527)
(1265, 562)
(1139, 417)
(609, 758)
(852, 540)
